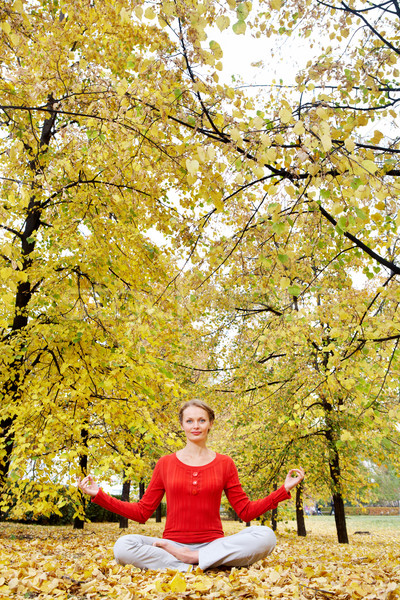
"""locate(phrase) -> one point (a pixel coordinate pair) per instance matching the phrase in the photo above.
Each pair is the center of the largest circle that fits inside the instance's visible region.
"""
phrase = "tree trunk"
(83, 463)
(335, 473)
(159, 513)
(142, 489)
(340, 519)
(340, 515)
(7, 443)
(274, 513)
(301, 525)
(126, 489)
(274, 519)
(10, 393)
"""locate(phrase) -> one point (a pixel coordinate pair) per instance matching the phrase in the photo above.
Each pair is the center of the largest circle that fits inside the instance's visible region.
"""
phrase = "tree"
(334, 200)
(303, 191)
(81, 340)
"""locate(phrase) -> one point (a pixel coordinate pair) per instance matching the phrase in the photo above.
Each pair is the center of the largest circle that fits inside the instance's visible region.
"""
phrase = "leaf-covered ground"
(58, 562)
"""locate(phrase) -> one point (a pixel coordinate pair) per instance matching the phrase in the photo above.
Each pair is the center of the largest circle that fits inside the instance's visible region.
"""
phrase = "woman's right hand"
(88, 486)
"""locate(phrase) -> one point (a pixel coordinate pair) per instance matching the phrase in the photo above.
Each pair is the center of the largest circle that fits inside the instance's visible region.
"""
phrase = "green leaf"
(361, 214)
(242, 11)
(294, 290)
(283, 258)
(355, 184)
(278, 227)
(239, 28)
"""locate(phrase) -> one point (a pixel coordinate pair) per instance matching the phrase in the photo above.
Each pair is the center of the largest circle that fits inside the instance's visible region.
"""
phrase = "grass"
(324, 524)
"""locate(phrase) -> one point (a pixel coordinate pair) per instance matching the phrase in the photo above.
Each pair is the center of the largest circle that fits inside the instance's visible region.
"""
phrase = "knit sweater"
(193, 497)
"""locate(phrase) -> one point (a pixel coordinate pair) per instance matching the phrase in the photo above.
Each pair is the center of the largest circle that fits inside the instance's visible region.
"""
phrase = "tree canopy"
(165, 233)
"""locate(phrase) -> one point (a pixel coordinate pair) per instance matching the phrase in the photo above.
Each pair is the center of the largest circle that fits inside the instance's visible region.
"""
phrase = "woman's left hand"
(294, 477)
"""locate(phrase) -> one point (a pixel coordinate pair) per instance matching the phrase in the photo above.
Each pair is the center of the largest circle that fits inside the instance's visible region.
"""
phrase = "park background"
(174, 225)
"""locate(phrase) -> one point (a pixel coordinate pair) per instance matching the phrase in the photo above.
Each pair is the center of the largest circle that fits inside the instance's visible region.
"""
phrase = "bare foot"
(182, 553)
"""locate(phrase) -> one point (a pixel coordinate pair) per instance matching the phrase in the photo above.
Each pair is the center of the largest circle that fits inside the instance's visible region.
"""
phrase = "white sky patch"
(242, 52)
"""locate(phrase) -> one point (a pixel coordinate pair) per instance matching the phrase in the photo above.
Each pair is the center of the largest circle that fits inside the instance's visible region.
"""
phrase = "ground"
(60, 563)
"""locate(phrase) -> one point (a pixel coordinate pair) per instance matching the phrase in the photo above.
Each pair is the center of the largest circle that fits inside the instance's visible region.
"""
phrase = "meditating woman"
(193, 479)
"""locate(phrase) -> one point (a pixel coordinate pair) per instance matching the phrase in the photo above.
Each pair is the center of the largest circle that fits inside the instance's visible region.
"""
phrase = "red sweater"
(193, 499)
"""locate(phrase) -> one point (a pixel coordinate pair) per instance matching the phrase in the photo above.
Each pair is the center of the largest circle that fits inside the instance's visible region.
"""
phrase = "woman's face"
(196, 423)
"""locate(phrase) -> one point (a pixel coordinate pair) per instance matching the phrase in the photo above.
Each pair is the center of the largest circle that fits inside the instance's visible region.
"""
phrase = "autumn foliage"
(166, 234)
(39, 562)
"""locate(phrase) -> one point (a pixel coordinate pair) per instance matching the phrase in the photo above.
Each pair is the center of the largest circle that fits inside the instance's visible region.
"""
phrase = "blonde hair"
(199, 404)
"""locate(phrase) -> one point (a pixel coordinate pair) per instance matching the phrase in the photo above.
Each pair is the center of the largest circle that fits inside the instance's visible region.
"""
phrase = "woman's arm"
(136, 511)
(247, 509)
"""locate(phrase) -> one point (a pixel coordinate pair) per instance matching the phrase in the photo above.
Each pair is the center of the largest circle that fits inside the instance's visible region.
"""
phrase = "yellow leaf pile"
(49, 562)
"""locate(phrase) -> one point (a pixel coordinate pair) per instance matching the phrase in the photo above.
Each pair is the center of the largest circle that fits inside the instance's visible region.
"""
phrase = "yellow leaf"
(169, 8)
(265, 140)
(178, 584)
(285, 115)
(125, 15)
(284, 283)
(88, 586)
(161, 587)
(326, 142)
(49, 586)
(202, 585)
(369, 165)
(377, 137)
(222, 22)
(210, 153)
(149, 13)
(349, 144)
(122, 87)
(216, 49)
(219, 205)
(192, 166)
(322, 113)
(13, 583)
(6, 27)
(236, 134)
(274, 576)
(201, 154)
(299, 128)
(276, 4)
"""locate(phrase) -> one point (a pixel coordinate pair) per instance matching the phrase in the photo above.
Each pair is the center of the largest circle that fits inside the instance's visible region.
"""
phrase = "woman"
(193, 479)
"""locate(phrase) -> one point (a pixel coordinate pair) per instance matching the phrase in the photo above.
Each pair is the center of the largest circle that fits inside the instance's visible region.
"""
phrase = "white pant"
(238, 550)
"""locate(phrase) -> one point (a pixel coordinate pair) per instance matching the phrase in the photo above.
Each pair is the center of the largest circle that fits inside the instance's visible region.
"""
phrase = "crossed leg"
(238, 550)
